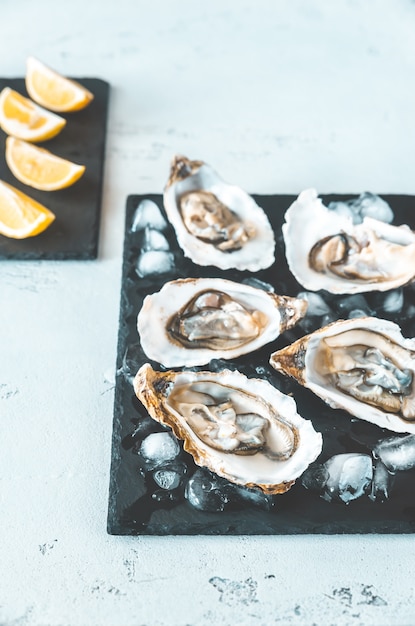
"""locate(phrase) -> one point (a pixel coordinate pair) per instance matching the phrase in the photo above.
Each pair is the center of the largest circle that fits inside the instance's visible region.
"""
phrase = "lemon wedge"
(54, 91)
(22, 118)
(20, 215)
(38, 167)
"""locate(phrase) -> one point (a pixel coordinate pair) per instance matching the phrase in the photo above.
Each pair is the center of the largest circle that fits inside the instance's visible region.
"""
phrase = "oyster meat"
(191, 321)
(363, 365)
(216, 223)
(342, 257)
(242, 429)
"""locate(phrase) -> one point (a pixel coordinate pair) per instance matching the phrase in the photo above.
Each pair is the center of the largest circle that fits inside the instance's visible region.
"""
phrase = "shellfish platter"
(74, 233)
(322, 466)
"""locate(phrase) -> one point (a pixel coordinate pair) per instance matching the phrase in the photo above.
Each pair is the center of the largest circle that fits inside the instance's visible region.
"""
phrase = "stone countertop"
(277, 96)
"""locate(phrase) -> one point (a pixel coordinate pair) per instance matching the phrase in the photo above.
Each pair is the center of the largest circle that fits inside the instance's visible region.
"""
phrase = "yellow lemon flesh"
(54, 91)
(25, 120)
(20, 215)
(39, 168)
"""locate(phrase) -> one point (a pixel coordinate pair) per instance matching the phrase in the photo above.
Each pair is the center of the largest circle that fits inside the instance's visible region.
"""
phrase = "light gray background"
(276, 96)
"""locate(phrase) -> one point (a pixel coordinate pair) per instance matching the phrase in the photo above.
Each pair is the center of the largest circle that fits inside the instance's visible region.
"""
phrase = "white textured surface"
(277, 96)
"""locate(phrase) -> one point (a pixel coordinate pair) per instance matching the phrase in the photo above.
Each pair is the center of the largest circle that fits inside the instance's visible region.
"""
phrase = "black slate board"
(75, 231)
(133, 510)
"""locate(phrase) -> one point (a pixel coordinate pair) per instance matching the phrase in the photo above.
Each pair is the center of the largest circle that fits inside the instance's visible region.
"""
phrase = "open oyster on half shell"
(363, 365)
(342, 257)
(191, 321)
(243, 429)
(216, 223)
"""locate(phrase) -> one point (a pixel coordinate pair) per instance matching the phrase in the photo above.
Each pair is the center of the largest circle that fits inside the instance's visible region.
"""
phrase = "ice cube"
(207, 492)
(393, 301)
(397, 453)
(153, 262)
(166, 478)
(356, 313)
(409, 311)
(148, 214)
(381, 482)
(344, 209)
(253, 497)
(371, 205)
(159, 448)
(315, 478)
(154, 240)
(366, 205)
(143, 427)
(259, 284)
(328, 319)
(350, 475)
(316, 304)
(310, 323)
(170, 475)
(346, 304)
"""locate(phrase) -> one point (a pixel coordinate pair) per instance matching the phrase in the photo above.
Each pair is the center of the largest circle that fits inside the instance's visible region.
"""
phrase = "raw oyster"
(191, 321)
(363, 365)
(341, 257)
(216, 223)
(242, 429)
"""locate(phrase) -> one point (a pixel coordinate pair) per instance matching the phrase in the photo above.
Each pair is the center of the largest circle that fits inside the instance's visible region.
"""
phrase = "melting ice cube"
(153, 262)
(342, 208)
(148, 214)
(253, 497)
(350, 475)
(371, 205)
(348, 304)
(167, 479)
(389, 302)
(316, 304)
(154, 240)
(381, 482)
(343, 477)
(259, 284)
(170, 475)
(206, 492)
(397, 453)
(315, 477)
(366, 205)
(159, 448)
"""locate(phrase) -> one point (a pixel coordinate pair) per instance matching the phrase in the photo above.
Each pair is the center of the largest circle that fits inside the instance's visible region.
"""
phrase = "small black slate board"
(75, 231)
(132, 508)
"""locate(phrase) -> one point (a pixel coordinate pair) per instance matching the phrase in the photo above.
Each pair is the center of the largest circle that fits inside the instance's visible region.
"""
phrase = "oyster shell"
(242, 429)
(363, 365)
(216, 223)
(191, 321)
(341, 257)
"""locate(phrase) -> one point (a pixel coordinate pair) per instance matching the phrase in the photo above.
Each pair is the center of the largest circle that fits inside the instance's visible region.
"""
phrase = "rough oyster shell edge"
(153, 388)
(187, 175)
(296, 361)
(283, 313)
